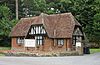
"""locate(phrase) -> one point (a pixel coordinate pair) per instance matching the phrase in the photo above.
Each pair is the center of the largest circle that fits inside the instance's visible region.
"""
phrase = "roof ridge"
(59, 14)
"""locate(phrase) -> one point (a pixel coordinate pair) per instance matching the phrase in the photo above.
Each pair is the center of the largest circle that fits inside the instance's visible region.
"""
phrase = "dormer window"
(38, 29)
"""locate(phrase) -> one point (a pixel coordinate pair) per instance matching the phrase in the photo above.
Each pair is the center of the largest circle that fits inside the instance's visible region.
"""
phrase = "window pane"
(20, 40)
(60, 42)
(40, 42)
(37, 37)
(40, 37)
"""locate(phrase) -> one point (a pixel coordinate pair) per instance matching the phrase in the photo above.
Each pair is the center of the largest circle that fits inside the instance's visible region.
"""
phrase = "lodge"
(56, 32)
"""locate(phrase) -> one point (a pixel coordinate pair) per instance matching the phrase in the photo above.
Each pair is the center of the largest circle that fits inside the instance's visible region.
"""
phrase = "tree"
(85, 11)
(6, 24)
(96, 29)
(11, 5)
(16, 9)
(33, 7)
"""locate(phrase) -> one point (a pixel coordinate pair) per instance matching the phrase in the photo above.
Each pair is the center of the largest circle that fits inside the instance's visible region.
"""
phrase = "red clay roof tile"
(56, 25)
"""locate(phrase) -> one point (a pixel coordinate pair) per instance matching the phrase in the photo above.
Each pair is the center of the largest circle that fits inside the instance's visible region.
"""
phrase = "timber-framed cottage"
(47, 33)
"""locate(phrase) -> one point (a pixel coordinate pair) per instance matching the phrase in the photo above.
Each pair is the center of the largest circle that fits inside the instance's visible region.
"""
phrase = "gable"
(77, 32)
(37, 29)
(59, 25)
(23, 26)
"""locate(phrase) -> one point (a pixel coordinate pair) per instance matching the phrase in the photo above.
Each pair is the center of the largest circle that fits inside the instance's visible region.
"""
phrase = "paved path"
(92, 59)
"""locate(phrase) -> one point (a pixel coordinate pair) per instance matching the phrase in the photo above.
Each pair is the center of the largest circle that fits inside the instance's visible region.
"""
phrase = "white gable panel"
(31, 30)
(37, 30)
(29, 42)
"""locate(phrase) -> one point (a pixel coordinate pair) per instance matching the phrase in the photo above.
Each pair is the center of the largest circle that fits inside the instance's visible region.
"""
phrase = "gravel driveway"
(92, 59)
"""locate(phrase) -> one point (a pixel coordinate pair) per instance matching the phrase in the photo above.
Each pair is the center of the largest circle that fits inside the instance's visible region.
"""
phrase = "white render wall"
(29, 43)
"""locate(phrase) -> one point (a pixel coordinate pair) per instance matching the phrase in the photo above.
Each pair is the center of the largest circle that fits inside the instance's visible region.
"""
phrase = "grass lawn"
(5, 48)
(1, 55)
(94, 50)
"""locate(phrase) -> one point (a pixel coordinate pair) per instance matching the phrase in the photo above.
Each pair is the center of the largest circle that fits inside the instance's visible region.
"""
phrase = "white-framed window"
(39, 40)
(20, 40)
(60, 42)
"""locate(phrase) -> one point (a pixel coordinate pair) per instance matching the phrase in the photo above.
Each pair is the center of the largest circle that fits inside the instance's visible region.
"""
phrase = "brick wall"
(49, 45)
(15, 45)
(69, 44)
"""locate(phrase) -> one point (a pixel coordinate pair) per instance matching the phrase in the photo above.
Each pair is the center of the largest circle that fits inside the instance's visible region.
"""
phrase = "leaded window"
(60, 42)
(39, 40)
(20, 40)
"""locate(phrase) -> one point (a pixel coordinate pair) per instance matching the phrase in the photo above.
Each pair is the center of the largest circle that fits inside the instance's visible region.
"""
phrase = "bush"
(5, 42)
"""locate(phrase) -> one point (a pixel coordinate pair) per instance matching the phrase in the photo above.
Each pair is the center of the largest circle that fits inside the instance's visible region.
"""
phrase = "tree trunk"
(16, 9)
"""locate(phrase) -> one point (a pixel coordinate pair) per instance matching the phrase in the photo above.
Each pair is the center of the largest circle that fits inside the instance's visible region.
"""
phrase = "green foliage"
(87, 12)
(94, 50)
(33, 7)
(4, 11)
(6, 25)
(10, 4)
(5, 22)
(5, 48)
(96, 28)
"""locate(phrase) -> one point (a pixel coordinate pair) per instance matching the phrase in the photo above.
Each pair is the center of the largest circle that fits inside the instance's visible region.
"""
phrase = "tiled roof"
(56, 25)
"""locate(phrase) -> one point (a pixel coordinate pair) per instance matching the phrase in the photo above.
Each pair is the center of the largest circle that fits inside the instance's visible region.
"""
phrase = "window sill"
(60, 46)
